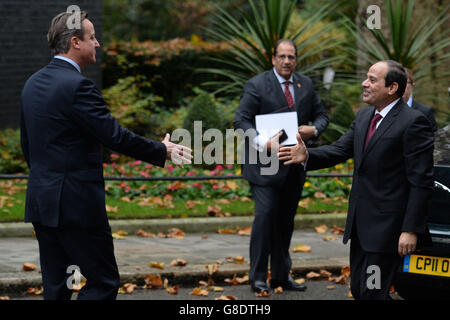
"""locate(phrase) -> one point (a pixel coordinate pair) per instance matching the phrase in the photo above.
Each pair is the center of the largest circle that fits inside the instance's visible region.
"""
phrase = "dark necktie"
(288, 95)
(372, 127)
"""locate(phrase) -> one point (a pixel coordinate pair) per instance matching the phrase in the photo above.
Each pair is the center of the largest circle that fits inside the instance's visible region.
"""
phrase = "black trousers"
(272, 228)
(90, 250)
(372, 274)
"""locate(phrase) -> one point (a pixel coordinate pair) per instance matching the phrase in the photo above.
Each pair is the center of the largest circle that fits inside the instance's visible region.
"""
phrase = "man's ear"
(75, 43)
(393, 88)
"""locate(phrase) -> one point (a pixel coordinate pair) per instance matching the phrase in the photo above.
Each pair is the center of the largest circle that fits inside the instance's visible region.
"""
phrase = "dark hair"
(292, 43)
(396, 73)
(59, 34)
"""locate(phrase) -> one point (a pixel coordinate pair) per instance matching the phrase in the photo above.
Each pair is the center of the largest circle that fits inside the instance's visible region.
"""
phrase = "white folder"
(268, 125)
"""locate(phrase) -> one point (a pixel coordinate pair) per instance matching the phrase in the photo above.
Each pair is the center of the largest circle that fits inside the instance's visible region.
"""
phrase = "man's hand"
(176, 152)
(294, 154)
(307, 132)
(407, 243)
(274, 142)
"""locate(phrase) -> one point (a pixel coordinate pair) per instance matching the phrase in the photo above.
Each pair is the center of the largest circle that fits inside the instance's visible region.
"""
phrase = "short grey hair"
(59, 34)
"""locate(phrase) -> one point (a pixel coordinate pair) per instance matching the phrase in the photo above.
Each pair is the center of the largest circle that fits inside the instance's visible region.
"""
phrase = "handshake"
(177, 153)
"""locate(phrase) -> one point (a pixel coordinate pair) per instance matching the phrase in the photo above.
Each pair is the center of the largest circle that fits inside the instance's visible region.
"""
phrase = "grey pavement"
(198, 248)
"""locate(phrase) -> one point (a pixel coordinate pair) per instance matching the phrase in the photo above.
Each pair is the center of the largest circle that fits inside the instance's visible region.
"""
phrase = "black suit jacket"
(427, 111)
(392, 179)
(64, 124)
(263, 94)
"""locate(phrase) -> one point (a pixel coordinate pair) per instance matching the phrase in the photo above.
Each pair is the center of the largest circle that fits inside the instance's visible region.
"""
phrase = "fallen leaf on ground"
(339, 280)
(300, 281)
(245, 231)
(27, 266)
(35, 291)
(330, 287)
(129, 287)
(190, 204)
(144, 234)
(112, 209)
(321, 228)
(245, 199)
(301, 248)
(204, 237)
(349, 294)
(158, 265)
(178, 263)
(237, 280)
(117, 236)
(345, 271)
(226, 231)
(239, 259)
(320, 195)
(312, 275)
(325, 273)
(330, 238)
(199, 292)
(226, 298)
(153, 281)
(175, 233)
(278, 290)
(337, 230)
(4, 298)
(203, 284)
(212, 268)
(215, 289)
(170, 289)
(214, 211)
(262, 294)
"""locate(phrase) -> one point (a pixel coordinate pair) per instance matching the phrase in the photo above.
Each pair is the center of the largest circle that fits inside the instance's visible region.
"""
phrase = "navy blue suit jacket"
(64, 123)
(392, 179)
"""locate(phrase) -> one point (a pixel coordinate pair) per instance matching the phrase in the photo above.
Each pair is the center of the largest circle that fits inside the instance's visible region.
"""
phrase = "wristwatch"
(316, 132)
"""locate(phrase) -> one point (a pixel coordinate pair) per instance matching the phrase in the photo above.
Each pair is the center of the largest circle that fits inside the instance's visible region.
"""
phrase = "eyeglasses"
(283, 57)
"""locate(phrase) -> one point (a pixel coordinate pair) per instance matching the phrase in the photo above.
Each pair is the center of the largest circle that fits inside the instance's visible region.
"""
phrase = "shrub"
(202, 109)
(11, 156)
(169, 65)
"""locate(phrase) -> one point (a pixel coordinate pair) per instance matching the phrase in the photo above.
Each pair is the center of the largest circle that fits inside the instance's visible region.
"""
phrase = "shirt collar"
(409, 103)
(386, 109)
(282, 80)
(70, 61)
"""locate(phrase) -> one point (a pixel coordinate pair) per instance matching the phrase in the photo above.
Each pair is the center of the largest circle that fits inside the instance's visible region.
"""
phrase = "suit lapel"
(384, 125)
(299, 92)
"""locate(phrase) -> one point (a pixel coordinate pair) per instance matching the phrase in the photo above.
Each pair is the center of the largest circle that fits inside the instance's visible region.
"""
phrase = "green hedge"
(170, 66)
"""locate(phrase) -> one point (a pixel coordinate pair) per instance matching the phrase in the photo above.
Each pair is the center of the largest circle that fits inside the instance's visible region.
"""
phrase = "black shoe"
(289, 285)
(259, 285)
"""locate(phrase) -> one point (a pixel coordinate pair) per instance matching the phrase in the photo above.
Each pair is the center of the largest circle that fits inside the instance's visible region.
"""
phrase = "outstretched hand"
(177, 153)
(293, 154)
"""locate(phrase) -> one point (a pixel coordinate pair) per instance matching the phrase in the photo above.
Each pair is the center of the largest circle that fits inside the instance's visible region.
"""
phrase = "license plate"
(435, 266)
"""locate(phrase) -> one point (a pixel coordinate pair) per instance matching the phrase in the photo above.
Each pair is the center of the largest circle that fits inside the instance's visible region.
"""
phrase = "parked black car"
(425, 274)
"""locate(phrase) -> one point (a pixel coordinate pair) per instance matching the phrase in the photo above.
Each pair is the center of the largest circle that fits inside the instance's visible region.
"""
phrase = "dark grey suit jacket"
(262, 95)
(392, 178)
(427, 111)
(64, 124)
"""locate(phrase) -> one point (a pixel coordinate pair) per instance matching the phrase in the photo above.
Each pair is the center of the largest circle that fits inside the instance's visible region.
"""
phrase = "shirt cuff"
(259, 143)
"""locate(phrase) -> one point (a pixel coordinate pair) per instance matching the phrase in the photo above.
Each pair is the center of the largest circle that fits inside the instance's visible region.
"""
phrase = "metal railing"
(183, 178)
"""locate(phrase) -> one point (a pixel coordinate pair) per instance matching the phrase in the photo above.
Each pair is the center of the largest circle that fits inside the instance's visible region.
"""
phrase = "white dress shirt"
(70, 61)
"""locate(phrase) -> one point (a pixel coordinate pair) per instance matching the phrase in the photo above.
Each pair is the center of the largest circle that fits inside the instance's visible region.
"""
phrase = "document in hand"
(268, 125)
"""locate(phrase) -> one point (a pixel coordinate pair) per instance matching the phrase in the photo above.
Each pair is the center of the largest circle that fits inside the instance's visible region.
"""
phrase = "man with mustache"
(392, 148)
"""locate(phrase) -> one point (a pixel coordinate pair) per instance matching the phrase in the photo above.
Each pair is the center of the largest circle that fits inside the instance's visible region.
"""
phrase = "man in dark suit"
(64, 124)
(413, 103)
(392, 147)
(276, 196)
